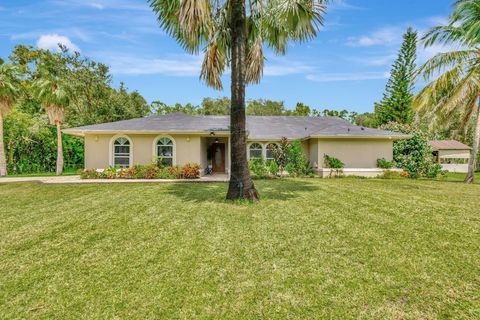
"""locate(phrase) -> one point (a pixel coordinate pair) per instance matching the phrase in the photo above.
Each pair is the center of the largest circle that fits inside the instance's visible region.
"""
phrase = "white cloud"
(336, 77)
(178, 66)
(105, 4)
(342, 5)
(426, 53)
(383, 37)
(184, 65)
(51, 41)
(384, 60)
(283, 67)
(96, 5)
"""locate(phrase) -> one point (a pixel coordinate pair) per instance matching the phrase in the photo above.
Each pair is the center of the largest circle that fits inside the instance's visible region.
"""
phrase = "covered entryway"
(215, 155)
(218, 157)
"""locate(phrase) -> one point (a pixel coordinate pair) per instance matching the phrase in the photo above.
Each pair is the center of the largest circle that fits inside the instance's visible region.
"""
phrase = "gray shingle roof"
(259, 127)
(448, 145)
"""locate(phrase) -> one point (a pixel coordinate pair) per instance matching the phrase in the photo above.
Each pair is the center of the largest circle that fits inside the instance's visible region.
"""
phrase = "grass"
(66, 172)
(459, 177)
(313, 248)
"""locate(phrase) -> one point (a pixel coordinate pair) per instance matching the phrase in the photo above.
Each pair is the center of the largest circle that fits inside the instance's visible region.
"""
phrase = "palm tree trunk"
(59, 149)
(3, 160)
(11, 152)
(241, 185)
(476, 141)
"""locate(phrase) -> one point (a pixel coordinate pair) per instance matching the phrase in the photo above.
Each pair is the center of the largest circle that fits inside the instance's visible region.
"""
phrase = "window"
(165, 151)
(453, 160)
(121, 152)
(269, 152)
(255, 151)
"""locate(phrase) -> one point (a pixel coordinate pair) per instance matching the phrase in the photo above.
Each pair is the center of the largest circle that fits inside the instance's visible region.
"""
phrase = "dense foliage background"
(29, 138)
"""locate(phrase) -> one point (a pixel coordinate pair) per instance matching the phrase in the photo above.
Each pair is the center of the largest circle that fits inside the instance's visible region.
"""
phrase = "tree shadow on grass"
(277, 189)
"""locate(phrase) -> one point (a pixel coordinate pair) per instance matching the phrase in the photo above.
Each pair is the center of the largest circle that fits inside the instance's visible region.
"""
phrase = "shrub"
(414, 155)
(190, 171)
(109, 173)
(280, 154)
(434, 171)
(258, 168)
(298, 165)
(170, 173)
(332, 163)
(149, 171)
(89, 174)
(273, 168)
(385, 164)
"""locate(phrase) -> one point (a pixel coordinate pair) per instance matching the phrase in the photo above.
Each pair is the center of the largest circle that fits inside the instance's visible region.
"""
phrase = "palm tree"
(230, 38)
(54, 93)
(9, 93)
(457, 89)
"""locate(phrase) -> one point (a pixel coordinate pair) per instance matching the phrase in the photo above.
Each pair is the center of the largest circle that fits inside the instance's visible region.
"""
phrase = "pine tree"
(396, 104)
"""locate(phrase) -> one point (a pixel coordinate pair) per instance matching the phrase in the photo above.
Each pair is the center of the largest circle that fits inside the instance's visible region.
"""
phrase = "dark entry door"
(218, 157)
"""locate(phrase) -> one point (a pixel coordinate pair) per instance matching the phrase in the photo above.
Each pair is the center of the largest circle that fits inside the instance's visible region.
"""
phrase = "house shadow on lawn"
(277, 189)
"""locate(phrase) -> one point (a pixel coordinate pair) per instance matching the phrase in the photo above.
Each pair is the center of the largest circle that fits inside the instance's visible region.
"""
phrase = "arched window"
(165, 151)
(121, 152)
(269, 152)
(255, 151)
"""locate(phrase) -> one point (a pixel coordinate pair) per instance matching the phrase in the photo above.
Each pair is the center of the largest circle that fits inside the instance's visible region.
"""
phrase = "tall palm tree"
(457, 89)
(53, 92)
(9, 93)
(230, 38)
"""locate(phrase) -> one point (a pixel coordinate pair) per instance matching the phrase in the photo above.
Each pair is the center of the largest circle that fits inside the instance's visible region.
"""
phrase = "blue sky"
(346, 66)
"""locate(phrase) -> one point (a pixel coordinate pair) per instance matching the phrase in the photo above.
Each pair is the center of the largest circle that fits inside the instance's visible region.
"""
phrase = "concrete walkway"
(77, 180)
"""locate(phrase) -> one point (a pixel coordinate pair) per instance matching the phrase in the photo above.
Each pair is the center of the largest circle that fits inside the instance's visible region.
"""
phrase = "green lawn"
(459, 177)
(66, 172)
(313, 248)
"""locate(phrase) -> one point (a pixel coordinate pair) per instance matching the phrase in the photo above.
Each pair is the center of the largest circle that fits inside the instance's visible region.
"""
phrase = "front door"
(218, 157)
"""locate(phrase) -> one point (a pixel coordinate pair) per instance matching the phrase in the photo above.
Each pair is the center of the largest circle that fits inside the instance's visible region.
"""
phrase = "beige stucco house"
(178, 139)
(452, 155)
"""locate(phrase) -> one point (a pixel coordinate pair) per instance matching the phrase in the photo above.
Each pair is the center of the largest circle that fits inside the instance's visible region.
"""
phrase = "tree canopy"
(396, 104)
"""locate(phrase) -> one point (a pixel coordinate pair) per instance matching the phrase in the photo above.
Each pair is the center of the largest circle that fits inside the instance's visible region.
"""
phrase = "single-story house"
(452, 155)
(179, 138)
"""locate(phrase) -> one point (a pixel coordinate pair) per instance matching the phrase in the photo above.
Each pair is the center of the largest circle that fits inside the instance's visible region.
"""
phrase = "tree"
(231, 38)
(366, 119)
(93, 98)
(280, 154)
(457, 89)
(9, 93)
(342, 114)
(267, 107)
(220, 106)
(396, 105)
(301, 110)
(54, 93)
(414, 154)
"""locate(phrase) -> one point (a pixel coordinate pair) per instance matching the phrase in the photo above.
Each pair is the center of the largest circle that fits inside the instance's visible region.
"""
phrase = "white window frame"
(174, 147)
(112, 149)
(266, 149)
(262, 148)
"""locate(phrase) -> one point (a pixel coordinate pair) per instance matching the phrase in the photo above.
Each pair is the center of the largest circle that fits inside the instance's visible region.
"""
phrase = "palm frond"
(10, 86)
(442, 61)
(213, 66)
(463, 26)
(255, 62)
(56, 113)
